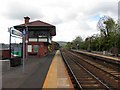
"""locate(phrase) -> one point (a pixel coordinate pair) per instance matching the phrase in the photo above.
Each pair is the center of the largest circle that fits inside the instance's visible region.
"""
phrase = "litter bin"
(16, 61)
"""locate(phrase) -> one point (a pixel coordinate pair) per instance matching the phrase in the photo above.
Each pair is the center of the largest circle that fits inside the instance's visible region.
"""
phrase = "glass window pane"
(29, 48)
(35, 48)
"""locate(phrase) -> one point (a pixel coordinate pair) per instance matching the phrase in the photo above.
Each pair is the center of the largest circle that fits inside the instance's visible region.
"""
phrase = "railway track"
(110, 68)
(89, 74)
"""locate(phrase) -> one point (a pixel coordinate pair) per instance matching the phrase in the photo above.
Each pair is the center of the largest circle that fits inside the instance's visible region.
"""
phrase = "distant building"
(4, 46)
(4, 51)
(38, 36)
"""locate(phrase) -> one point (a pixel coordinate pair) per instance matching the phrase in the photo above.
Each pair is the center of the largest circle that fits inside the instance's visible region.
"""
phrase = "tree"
(68, 45)
(107, 27)
(77, 42)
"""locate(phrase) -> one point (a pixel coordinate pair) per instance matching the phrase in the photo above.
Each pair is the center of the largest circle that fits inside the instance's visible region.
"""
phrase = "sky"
(72, 18)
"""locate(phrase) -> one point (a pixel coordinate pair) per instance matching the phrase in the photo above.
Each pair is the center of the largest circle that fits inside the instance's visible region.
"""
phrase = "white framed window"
(32, 39)
(29, 48)
(43, 40)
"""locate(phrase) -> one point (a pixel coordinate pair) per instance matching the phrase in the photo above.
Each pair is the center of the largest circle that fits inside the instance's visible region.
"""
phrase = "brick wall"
(4, 54)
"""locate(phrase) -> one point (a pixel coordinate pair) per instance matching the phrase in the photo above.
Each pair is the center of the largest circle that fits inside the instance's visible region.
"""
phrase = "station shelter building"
(38, 36)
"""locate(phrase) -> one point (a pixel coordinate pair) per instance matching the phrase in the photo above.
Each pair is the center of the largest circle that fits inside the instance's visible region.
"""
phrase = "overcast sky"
(71, 17)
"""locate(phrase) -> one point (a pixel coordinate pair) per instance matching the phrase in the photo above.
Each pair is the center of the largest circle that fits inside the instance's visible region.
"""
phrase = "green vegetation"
(107, 40)
(62, 43)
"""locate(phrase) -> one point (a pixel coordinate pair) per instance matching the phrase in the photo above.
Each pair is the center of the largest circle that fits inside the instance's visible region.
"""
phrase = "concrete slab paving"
(33, 75)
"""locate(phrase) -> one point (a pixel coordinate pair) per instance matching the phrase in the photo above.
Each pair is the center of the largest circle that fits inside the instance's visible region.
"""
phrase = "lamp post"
(9, 30)
(25, 37)
(23, 40)
(26, 41)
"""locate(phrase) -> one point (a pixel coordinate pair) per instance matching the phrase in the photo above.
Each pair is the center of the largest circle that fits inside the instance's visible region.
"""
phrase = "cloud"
(104, 8)
(57, 21)
(71, 17)
(119, 9)
(18, 10)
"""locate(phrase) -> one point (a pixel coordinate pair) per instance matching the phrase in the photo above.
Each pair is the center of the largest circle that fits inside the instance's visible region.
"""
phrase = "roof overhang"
(52, 29)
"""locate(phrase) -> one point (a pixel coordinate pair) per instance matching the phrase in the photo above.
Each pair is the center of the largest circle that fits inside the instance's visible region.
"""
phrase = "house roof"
(38, 24)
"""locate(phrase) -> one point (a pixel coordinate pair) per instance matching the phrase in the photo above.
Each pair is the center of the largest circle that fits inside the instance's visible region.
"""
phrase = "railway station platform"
(32, 78)
(39, 73)
(110, 58)
(57, 76)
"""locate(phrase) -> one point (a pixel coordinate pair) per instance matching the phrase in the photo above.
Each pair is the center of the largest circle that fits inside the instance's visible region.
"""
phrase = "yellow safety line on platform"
(51, 79)
(57, 76)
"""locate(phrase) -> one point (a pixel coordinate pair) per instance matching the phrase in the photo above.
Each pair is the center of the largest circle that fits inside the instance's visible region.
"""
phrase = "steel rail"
(102, 83)
(69, 68)
(96, 66)
(93, 75)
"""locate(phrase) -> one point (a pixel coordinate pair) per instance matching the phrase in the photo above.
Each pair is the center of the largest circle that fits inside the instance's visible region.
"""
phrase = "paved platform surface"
(99, 55)
(33, 76)
(57, 76)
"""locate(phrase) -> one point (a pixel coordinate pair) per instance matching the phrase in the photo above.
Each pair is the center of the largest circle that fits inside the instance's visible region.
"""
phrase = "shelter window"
(29, 48)
(35, 48)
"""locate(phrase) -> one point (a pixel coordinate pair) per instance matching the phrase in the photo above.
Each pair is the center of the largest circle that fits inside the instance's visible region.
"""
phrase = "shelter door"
(41, 50)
